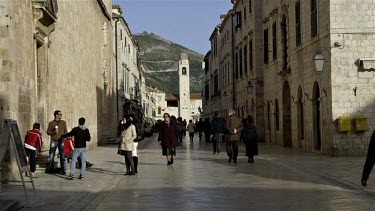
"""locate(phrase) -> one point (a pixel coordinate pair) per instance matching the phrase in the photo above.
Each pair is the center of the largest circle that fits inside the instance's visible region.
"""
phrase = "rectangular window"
(206, 92)
(314, 18)
(240, 62)
(216, 84)
(274, 41)
(298, 23)
(206, 67)
(245, 58)
(159, 110)
(238, 20)
(251, 54)
(265, 47)
(284, 38)
(244, 13)
(250, 6)
(228, 72)
(121, 33)
(236, 70)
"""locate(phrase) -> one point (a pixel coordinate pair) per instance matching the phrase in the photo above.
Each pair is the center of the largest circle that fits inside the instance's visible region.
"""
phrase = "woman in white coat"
(127, 137)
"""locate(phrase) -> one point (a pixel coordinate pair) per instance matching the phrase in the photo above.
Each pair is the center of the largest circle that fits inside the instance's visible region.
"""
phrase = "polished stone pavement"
(280, 179)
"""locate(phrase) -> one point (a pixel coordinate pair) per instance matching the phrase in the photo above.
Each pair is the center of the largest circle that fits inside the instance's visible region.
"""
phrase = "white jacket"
(127, 138)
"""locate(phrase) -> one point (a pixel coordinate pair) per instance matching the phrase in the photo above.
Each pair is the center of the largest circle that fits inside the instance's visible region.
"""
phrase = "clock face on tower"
(184, 94)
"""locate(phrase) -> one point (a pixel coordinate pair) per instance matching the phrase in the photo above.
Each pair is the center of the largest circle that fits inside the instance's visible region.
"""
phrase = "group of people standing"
(58, 131)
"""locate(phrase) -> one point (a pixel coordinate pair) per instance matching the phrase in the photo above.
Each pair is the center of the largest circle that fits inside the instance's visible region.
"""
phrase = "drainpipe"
(117, 20)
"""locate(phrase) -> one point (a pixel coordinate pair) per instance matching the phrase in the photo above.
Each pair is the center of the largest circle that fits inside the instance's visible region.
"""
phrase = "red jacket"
(68, 147)
(34, 140)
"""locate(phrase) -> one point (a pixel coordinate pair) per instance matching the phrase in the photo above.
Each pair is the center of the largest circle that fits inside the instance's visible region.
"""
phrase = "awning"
(367, 63)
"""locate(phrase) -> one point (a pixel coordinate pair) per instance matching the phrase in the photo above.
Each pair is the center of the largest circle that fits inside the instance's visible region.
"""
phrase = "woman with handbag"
(127, 144)
(168, 140)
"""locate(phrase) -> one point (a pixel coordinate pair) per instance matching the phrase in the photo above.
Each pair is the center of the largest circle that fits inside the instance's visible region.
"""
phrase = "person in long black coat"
(168, 138)
(250, 139)
(370, 160)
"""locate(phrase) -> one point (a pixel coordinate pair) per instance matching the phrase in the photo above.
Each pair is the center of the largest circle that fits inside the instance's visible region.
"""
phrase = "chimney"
(116, 9)
(222, 16)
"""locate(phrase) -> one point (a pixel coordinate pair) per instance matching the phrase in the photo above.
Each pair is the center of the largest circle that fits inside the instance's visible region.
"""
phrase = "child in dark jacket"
(33, 144)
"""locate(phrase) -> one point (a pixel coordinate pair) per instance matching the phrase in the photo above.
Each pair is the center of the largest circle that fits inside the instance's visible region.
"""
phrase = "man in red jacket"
(33, 144)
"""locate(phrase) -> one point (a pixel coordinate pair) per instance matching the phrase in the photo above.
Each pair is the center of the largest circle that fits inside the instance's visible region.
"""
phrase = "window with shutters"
(265, 45)
(245, 57)
(314, 18)
(251, 54)
(298, 23)
(274, 41)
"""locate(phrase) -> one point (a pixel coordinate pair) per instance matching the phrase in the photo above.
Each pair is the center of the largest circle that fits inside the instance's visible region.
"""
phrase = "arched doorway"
(269, 120)
(316, 117)
(277, 119)
(287, 116)
(301, 118)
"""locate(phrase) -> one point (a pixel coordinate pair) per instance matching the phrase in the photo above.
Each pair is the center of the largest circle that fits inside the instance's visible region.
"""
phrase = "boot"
(135, 160)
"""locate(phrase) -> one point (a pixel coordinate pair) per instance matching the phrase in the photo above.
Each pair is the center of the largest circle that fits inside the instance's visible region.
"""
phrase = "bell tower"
(184, 87)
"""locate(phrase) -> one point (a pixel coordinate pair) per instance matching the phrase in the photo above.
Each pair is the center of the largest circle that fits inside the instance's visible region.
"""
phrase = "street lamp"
(319, 61)
(249, 87)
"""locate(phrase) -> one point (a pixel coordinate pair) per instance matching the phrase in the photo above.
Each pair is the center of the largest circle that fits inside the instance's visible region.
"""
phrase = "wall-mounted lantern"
(319, 61)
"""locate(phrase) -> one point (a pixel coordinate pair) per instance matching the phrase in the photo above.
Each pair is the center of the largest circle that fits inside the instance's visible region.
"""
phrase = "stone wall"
(79, 60)
(61, 66)
(352, 28)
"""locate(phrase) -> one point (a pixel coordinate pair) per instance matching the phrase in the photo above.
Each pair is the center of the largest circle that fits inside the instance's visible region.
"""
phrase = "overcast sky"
(185, 22)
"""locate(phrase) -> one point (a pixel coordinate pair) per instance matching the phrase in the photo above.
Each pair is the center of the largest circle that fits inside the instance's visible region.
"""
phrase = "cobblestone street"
(280, 179)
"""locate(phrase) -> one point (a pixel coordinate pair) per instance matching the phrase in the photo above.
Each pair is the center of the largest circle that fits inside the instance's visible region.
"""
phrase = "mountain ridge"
(160, 61)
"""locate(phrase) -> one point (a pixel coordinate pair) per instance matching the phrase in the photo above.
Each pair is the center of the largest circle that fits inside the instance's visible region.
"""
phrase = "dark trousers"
(32, 159)
(180, 135)
(200, 135)
(207, 136)
(232, 149)
(135, 160)
(129, 163)
(369, 164)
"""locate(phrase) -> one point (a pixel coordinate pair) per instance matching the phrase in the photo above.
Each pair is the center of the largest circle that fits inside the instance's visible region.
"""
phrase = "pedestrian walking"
(184, 128)
(81, 136)
(370, 160)
(250, 139)
(200, 127)
(129, 134)
(33, 144)
(234, 127)
(181, 129)
(56, 128)
(168, 138)
(191, 130)
(218, 129)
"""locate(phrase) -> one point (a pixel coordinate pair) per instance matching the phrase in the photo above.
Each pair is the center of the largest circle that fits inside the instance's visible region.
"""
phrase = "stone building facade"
(130, 81)
(235, 65)
(51, 60)
(315, 63)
